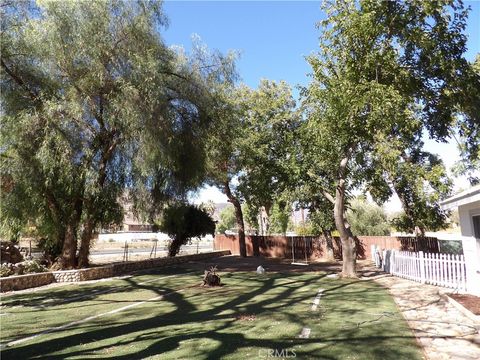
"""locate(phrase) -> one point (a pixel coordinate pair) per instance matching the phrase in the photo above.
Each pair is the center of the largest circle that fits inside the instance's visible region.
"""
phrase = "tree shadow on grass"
(82, 291)
(187, 312)
(176, 298)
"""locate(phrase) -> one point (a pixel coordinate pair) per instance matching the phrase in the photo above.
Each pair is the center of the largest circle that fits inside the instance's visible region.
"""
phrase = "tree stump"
(211, 278)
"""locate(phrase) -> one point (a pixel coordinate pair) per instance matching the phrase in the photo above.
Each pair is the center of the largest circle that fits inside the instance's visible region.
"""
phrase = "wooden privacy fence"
(304, 247)
(319, 247)
(445, 270)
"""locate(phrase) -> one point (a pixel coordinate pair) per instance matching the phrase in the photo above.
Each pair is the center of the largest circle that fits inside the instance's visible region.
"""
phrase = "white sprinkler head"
(260, 270)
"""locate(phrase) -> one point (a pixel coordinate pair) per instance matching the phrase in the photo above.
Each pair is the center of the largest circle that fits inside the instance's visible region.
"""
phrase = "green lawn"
(251, 317)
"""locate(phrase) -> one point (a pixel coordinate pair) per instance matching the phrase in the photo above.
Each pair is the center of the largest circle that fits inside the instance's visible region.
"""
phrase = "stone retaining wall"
(21, 282)
(65, 276)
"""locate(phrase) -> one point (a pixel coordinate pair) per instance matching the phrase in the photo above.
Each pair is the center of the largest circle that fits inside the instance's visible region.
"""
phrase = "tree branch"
(328, 196)
(19, 81)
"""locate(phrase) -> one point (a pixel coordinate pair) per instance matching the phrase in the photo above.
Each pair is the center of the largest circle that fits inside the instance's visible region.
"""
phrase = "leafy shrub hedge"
(21, 268)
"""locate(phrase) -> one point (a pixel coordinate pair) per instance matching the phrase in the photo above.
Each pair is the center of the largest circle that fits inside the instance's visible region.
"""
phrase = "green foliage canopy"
(280, 218)
(386, 73)
(94, 102)
(266, 146)
(227, 220)
(367, 218)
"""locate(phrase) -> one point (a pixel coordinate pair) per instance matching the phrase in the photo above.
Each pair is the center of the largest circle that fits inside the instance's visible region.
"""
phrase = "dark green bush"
(183, 222)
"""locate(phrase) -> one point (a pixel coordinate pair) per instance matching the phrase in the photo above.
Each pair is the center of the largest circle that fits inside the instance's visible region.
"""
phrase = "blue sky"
(273, 38)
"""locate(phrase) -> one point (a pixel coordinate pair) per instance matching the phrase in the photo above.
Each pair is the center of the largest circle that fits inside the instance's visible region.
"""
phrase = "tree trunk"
(85, 240)
(175, 245)
(90, 223)
(239, 219)
(327, 234)
(68, 259)
(349, 255)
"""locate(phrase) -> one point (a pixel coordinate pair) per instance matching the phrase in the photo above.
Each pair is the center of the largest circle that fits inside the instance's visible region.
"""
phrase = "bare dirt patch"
(246, 317)
(470, 302)
(234, 263)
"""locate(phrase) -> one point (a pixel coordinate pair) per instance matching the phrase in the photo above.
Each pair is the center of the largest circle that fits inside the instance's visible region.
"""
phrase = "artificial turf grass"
(204, 323)
(23, 321)
(30, 313)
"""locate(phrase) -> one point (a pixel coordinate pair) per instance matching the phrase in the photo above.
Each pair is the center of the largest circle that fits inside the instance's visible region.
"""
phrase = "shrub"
(183, 222)
(7, 270)
(25, 267)
(33, 266)
(211, 278)
(10, 253)
(305, 229)
(51, 248)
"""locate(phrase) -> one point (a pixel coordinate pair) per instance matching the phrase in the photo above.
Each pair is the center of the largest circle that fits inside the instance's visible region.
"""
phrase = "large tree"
(248, 146)
(93, 103)
(272, 119)
(224, 161)
(386, 73)
(469, 163)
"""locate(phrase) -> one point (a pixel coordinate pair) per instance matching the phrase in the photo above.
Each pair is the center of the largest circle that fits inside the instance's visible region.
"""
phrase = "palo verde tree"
(93, 102)
(385, 73)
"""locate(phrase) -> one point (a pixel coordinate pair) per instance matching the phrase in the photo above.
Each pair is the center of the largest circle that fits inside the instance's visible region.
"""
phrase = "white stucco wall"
(137, 236)
(131, 236)
(471, 245)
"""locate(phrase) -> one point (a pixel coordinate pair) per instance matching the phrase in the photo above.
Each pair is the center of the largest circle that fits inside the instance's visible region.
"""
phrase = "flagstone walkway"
(444, 332)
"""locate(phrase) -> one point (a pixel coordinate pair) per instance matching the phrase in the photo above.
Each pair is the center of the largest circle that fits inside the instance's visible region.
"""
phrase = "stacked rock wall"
(21, 282)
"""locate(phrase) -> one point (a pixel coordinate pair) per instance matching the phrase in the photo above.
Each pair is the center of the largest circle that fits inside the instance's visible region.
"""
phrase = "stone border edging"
(21, 282)
(463, 310)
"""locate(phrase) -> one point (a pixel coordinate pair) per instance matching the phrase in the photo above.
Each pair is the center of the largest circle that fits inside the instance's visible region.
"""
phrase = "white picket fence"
(445, 270)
